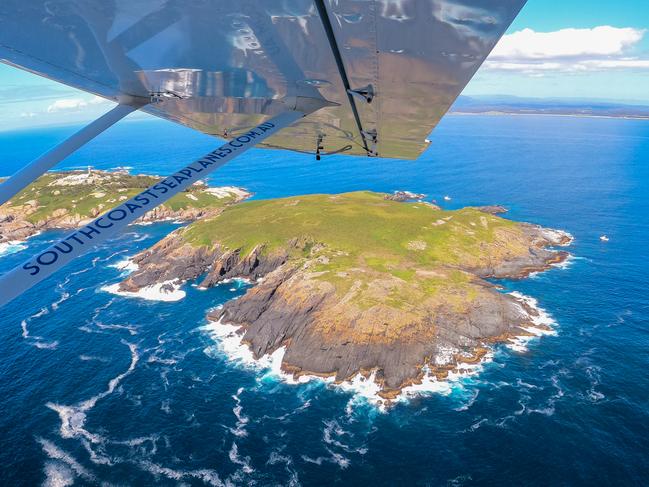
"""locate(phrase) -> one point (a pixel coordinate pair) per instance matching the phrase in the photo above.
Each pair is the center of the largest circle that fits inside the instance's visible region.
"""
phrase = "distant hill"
(547, 106)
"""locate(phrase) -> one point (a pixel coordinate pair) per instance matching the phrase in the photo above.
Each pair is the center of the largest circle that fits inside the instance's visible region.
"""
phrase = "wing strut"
(333, 44)
(20, 180)
(19, 279)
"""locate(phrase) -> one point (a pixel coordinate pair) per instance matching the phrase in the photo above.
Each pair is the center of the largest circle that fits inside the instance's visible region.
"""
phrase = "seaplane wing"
(370, 77)
(390, 68)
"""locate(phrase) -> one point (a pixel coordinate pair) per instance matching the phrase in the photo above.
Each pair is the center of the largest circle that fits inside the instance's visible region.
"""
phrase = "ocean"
(101, 389)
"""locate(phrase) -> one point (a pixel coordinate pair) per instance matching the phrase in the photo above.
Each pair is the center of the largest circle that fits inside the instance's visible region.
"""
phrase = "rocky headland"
(361, 284)
(71, 199)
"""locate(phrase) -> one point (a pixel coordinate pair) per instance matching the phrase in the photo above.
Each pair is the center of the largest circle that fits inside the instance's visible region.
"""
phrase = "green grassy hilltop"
(360, 236)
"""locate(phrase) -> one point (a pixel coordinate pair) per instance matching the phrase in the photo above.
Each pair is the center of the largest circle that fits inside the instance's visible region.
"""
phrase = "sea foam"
(541, 323)
(125, 265)
(11, 247)
(73, 418)
(150, 293)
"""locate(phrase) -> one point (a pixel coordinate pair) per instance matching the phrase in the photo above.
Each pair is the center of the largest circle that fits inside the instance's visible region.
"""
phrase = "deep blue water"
(573, 410)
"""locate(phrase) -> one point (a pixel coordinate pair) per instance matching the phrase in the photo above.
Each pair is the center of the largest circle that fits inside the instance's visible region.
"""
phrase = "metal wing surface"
(222, 67)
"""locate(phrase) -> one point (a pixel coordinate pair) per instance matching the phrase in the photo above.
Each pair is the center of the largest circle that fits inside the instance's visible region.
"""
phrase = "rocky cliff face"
(538, 257)
(359, 319)
(172, 259)
(326, 335)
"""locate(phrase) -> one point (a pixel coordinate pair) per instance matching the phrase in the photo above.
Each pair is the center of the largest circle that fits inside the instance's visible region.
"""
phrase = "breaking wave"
(12, 247)
(164, 291)
(366, 389)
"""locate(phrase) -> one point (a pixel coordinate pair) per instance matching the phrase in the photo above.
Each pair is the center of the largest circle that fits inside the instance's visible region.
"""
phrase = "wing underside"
(222, 67)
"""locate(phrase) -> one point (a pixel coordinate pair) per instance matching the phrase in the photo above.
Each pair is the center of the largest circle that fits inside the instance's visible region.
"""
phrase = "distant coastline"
(543, 114)
(508, 105)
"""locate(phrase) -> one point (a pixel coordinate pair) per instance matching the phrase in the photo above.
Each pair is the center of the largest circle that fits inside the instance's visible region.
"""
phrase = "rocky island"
(361, 284)
(71, 199)
(385, 287)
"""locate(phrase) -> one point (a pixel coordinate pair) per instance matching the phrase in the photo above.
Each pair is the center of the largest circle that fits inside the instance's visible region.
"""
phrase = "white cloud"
(67, 104)
(568, 50)
(73, 104)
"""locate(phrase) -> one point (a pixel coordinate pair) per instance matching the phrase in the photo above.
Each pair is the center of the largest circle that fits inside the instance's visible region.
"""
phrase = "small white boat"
(604, 238)
(447, 198)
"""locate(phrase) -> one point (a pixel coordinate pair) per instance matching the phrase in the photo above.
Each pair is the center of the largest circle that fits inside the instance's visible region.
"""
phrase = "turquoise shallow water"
(99, 388)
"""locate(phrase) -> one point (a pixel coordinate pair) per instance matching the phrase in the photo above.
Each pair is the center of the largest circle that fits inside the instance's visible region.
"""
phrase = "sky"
(593, 49)
(586, 49)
